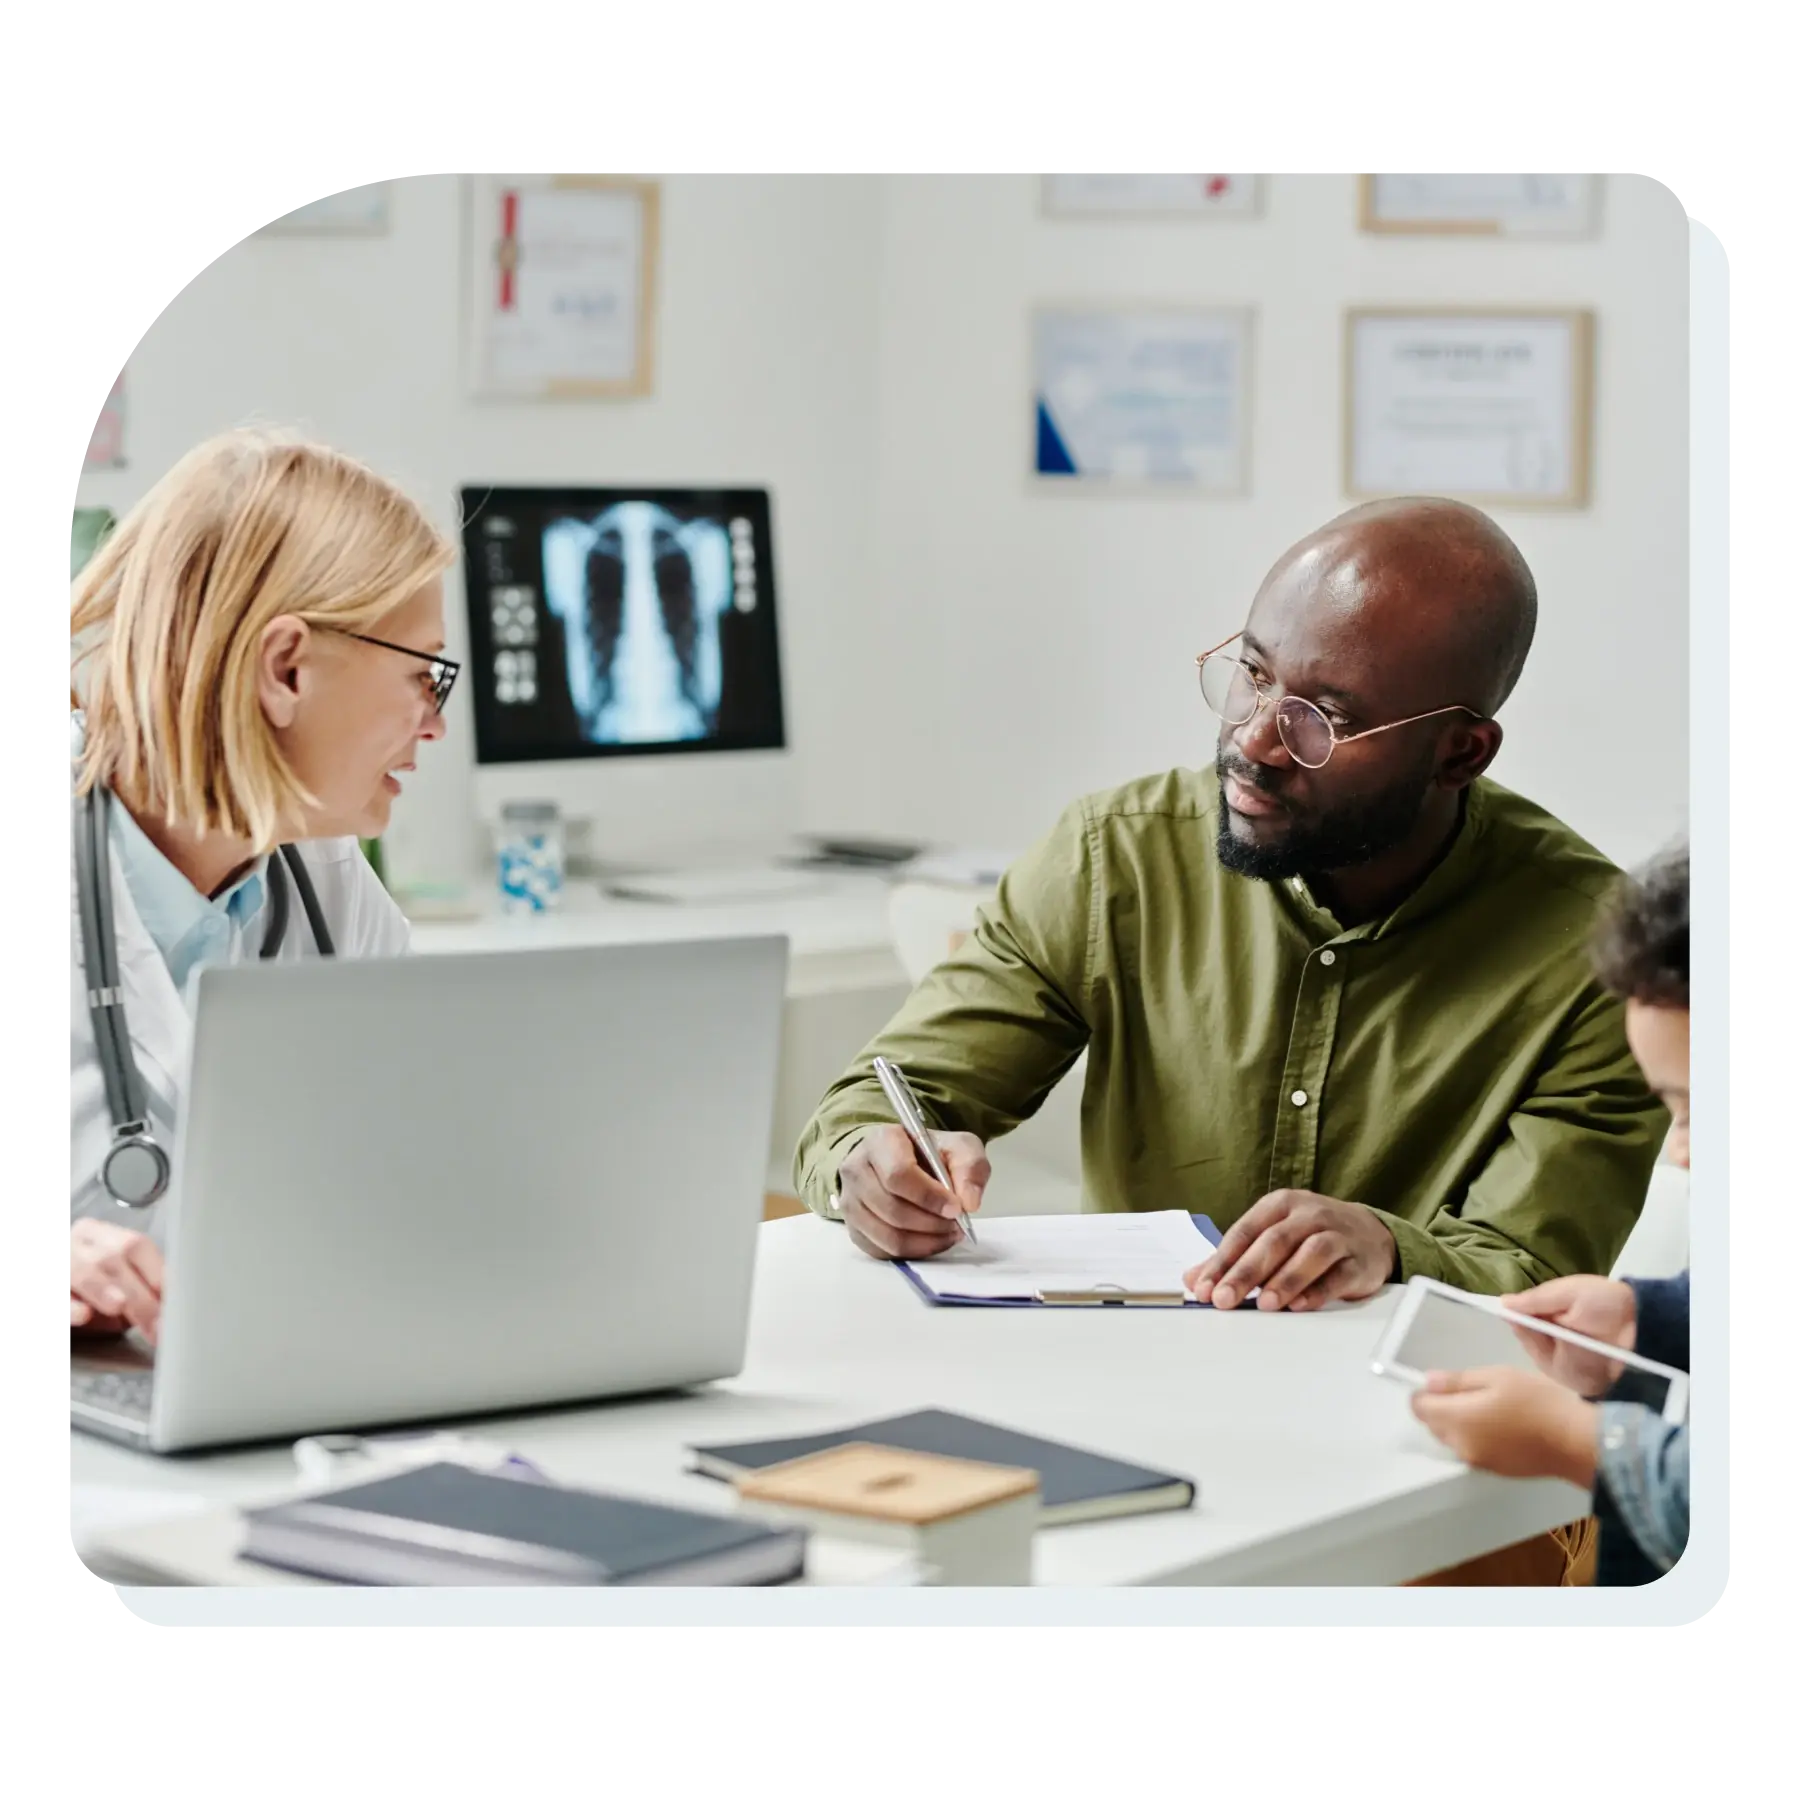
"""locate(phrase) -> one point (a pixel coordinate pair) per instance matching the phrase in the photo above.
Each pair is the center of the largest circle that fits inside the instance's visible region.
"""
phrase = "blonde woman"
(256, 655)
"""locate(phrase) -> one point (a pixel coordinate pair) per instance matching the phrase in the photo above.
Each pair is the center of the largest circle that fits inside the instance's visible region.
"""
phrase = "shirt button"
(1298, 1096)
(1328, 957)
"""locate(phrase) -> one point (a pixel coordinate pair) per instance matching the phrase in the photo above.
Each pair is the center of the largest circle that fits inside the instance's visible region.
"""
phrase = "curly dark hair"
(1641, 948)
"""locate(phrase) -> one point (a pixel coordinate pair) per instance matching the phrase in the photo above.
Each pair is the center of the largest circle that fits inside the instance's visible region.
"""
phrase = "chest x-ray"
(640, 594)
(621, 622)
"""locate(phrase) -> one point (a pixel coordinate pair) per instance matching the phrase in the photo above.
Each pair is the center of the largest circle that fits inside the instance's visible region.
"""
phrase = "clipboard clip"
(1110, 1293)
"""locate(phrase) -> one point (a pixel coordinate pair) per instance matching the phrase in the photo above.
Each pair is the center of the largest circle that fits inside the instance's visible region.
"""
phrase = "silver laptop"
(437, 1186)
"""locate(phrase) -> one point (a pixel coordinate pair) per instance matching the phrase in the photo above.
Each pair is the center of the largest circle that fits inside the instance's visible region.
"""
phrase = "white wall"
(859, 345)
(765, 367)
(1041, 644)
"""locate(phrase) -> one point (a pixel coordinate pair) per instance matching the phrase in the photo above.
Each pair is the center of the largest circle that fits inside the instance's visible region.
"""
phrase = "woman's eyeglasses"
(443, 671)
(1236, 694)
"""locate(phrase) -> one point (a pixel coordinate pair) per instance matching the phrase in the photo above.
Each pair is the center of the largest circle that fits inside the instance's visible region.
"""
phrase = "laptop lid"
(433, 1186)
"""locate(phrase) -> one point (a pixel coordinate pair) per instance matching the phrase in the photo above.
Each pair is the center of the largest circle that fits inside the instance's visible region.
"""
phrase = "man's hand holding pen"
(895, 1209)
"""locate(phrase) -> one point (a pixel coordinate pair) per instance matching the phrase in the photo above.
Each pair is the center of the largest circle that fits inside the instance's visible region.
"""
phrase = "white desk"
(837, 928)
(1311, 1470)
(844, 980)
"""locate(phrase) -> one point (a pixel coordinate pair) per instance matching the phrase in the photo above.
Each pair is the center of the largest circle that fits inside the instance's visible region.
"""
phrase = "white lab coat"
(363, 921)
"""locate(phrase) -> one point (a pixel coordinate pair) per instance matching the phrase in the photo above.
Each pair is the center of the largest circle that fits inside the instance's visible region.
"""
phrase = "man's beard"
(1344, 839)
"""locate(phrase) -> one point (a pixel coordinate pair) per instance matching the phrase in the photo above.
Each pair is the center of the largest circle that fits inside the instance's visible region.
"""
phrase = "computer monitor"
(611, 631)
(620, 622)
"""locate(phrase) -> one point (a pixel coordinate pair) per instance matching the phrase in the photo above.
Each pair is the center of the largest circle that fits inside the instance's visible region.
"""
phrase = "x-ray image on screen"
(640, 594)
(617, 622)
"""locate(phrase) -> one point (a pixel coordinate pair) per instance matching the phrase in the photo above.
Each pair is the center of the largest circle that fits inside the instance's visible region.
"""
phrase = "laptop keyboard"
(125, 1391)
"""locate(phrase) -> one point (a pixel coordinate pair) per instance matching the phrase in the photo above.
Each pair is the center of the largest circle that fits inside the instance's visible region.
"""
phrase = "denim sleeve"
(1662, 1320)
(1643, 1480)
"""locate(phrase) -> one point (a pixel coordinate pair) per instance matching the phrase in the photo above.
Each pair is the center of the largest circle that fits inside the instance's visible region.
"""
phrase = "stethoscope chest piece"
(136, 1171)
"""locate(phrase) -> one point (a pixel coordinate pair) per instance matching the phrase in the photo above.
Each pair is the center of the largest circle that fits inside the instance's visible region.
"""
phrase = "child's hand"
(1512, 1422)
(1590, 1304)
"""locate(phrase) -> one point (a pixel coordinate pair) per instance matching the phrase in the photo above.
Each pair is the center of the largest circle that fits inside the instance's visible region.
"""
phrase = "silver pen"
(906, 1109)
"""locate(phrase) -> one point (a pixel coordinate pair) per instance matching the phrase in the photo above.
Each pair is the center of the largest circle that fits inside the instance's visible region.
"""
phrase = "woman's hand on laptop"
(895, 1210)
(115, 1279)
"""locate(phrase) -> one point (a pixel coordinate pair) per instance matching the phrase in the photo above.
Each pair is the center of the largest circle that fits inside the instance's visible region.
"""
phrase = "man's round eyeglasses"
(443, 672)
(1236, 693)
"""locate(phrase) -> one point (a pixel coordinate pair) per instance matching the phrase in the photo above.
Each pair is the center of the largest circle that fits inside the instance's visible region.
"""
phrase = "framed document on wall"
(89, 525)
(562, 280)
(1493, 406)
(1544, 206)
(1145, 398)
(1151, 196)
(357, 212)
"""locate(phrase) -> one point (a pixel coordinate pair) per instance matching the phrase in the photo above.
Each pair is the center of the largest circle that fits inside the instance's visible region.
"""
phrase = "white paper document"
(1511, 205)
(1149, 196)
(573, 316)
(1019, 1258)
(96, 1508)
(1143, 396)
(959, 868)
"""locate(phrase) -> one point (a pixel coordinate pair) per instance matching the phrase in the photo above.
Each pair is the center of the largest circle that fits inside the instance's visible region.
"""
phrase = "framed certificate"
(1151, 196)
(1492, 406)
(106, 443)
(1545, 206)
(357, 212)
(1147, 398)
(561, 280)
(89, 525)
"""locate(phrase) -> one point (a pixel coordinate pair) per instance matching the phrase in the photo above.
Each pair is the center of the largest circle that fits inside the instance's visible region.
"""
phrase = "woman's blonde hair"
(168, 615)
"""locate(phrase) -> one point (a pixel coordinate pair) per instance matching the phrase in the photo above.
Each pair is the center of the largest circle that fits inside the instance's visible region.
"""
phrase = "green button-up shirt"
(1454, 1064)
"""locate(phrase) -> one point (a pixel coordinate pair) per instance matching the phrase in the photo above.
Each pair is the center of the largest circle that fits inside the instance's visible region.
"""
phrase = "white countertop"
(836, 913)
(1310, 1468)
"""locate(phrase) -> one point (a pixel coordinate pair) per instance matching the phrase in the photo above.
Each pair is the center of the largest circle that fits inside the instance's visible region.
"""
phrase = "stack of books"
(444, 1525)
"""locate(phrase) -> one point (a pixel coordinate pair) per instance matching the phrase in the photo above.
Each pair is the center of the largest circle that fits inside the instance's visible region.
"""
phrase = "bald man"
(1334, 991)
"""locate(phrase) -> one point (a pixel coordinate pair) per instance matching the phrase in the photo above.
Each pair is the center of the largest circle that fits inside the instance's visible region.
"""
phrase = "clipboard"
(1104, 1298)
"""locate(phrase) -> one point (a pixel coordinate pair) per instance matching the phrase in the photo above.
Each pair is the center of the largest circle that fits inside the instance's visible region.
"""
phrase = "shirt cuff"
(821, 1194)
(1414, 1252)
(1642, 1457)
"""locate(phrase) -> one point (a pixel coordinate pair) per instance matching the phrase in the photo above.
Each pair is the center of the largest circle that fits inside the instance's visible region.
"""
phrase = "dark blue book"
(444, 1525)
(1075, 1485)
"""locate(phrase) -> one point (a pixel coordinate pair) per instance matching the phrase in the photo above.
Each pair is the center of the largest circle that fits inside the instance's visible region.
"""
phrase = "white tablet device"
(1441, 1327)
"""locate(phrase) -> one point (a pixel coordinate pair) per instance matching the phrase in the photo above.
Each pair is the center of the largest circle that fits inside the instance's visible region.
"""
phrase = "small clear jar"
(531, 855)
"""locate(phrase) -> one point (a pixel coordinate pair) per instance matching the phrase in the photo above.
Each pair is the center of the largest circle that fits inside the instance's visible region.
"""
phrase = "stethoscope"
(136, 1170)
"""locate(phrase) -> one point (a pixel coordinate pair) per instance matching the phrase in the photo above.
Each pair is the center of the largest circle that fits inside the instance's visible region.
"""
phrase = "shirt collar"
(185, 925)
(1456, 871)
(1453, 872)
